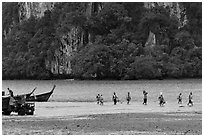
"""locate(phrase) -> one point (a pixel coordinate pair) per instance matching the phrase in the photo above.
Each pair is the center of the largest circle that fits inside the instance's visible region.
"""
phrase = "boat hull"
(41, 97)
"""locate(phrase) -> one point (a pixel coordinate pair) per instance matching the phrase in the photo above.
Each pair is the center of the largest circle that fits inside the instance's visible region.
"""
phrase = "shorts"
(145, 100)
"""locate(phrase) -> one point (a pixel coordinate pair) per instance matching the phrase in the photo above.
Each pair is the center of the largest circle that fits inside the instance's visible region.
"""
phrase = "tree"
(112, 16)
(159, 21)
(193, 11)
(92, 62)
(143, 68)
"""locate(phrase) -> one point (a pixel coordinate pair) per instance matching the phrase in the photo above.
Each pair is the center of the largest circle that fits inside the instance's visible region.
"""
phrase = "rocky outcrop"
(61, 63)
(36, 9)
(70, 42)
(175, 9)
(77, 37)
(62, 58)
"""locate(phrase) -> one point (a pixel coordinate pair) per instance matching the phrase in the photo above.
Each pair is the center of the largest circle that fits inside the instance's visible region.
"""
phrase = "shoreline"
(72, 79)
(61, 109)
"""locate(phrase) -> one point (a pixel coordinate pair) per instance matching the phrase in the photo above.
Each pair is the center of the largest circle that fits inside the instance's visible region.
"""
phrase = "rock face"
(36, 9)
(175, 9)
(174, 6)
(77, 37)
(70, 42)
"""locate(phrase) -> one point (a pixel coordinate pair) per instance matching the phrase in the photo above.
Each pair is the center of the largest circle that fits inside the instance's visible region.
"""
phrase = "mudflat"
(87, 118)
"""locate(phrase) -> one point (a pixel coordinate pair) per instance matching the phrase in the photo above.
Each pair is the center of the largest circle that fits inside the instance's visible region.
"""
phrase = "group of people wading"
(162, 102)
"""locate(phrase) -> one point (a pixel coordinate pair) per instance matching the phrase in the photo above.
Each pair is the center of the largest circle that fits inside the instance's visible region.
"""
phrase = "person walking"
(101, 99)
(128, 98)
(115, 98)
(161, 100)
(98, 98)
(145, 97)
(190, 99)
(179, 98)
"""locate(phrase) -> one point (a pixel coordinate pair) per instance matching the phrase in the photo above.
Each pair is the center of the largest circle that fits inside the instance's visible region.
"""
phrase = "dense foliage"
(116, 49)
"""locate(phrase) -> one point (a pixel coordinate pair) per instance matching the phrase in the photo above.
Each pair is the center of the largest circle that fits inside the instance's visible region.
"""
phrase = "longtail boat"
(19, 96)
(41, 97)
(27, 95)
(6, 98)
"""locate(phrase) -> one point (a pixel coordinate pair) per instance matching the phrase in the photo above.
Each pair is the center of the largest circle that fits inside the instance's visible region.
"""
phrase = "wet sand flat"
(59, 118)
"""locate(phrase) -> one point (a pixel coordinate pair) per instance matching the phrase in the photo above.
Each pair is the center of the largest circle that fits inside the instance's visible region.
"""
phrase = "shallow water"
(86, 91)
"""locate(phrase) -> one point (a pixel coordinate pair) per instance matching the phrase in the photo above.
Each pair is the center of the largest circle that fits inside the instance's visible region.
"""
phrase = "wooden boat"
(19, 96)
(5, 102)
(27, 95)
(41, 97)
(6, 98)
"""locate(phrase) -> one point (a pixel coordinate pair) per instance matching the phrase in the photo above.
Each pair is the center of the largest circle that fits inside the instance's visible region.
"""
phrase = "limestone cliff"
(77, 37)
(36, 9)
(175, 9)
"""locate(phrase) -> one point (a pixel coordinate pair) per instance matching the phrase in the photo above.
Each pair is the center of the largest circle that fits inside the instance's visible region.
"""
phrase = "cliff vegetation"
(114, 41)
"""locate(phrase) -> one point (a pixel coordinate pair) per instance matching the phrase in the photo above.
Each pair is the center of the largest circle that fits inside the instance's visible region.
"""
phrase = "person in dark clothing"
(128, 98)
(12, 101)
(101, 99)
(115, 98)
(10, 92)
(3, 93)
(161, 100)
(180, 99)
(98, 98)
(190, 99)
(145, 97)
